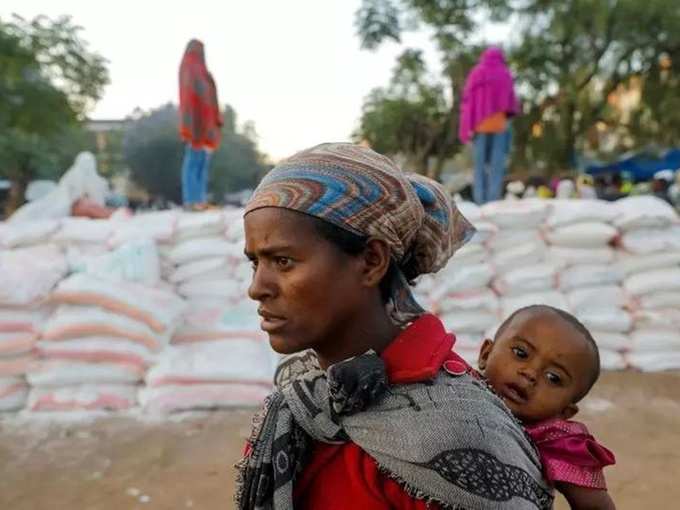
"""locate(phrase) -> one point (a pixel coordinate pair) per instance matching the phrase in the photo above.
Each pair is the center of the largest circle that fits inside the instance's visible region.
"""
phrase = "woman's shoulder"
(468, 416)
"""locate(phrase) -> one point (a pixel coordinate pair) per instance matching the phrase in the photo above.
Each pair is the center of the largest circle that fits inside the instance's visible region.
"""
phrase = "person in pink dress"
(488, 103)
(542, 362)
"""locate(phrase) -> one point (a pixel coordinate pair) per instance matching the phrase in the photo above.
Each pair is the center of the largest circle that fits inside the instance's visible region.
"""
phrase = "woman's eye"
(253, 264)
(283, 262)
(553, 378)
(519, 352)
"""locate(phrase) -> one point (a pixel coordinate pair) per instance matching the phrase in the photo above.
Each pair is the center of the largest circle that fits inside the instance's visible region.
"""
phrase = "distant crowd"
(665, 185)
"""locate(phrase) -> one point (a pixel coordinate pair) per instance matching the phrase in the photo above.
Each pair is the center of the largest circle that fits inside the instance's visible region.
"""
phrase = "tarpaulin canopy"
(641, 166)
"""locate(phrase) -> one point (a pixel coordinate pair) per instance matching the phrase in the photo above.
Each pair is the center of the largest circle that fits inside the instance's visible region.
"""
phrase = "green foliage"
(154, 153)
(410, 117)
(48, 79)
(574, 54)
(416, 116)
(572, 59)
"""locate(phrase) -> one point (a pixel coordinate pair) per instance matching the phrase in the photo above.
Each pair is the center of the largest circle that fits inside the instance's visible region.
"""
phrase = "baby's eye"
(553, 378)
(520, 353)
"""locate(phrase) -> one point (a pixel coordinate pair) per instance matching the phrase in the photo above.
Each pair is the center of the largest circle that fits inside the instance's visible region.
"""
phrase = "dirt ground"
(137, 462)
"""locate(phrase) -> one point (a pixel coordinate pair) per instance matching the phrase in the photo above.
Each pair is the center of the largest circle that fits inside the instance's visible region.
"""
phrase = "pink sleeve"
(570, 454)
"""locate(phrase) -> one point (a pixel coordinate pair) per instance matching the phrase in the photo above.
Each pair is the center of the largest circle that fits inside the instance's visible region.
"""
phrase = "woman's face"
(309, 291)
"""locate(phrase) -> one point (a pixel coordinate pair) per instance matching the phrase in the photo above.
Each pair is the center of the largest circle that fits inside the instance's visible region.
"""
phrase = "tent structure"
(642, 166)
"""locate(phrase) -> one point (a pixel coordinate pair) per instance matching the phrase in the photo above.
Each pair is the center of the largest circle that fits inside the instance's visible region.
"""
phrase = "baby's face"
(539, 365)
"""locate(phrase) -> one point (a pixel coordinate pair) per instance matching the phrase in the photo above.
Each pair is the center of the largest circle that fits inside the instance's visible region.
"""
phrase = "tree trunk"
(16, 197)
(570, 136)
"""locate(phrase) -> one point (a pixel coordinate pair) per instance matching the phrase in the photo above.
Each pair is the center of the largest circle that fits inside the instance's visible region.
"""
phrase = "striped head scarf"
(365, 193)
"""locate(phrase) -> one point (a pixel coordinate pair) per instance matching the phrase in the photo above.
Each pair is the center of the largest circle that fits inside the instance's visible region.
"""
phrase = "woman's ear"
(569, 412)
(484, 353)
(376, 260)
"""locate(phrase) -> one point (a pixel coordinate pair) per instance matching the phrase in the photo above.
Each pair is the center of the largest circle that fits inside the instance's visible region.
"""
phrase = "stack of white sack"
(581, 237)
(158, 227)
(460, 293)
(28, 276)
(219, 357)
(518, 247)
(82, 238)
(234, 372)
(650, 260)
(518, 254)
(207, 320)
(98, 344)
(19, 332)
(213, 274)
(461, 297)
(31, 233)
(133, 261)
(208, 265)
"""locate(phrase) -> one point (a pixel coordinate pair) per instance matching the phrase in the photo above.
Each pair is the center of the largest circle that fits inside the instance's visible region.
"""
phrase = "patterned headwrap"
(365, 193)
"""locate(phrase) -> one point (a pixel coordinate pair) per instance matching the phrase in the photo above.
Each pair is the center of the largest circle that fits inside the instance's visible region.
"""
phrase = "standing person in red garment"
(199, 124)
(488, 103)
(372, 409)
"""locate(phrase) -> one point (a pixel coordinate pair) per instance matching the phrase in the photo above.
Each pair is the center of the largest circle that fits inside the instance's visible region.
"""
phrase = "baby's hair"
(578, 325)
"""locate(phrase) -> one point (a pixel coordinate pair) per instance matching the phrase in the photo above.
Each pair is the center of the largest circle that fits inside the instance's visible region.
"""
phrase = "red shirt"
(339, 477)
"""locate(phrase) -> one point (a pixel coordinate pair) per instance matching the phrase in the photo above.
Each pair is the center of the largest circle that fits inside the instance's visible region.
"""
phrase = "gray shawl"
(449, 440)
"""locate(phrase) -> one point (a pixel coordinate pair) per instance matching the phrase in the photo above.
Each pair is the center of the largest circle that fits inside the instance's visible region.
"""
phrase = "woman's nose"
(261, 286)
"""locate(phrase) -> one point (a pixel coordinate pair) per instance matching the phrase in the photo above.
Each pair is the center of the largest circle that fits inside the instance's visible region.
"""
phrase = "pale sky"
(294, 67)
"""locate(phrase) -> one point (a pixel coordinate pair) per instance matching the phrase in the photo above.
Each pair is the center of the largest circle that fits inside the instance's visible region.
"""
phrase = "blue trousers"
(490, 153)
(195, 175)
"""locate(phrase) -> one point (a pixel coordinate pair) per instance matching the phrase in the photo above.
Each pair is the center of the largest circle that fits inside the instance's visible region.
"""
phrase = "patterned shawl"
(471, 455)
(365, 193)
(200, 119)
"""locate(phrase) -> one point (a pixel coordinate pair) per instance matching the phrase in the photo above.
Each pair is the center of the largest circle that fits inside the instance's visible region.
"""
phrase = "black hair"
(578, 325)
(353, 244)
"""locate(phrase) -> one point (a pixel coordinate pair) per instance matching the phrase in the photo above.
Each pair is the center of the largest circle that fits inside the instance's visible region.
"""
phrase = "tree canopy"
(154, 153)
(594, 76)
(48, 81)
(410, 116)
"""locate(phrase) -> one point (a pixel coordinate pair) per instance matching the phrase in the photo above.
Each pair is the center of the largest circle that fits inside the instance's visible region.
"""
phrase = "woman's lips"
(270, 323)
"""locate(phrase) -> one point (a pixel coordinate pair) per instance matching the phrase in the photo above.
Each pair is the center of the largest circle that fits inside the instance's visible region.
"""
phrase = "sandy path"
(121, 463)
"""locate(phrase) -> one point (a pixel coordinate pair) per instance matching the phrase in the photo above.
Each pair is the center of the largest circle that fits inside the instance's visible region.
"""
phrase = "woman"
(372, 409)
(488, 102)
(199, 124)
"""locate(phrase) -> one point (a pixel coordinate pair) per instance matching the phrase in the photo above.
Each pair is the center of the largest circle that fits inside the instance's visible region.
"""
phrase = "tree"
(415, 116)
(410, 118)
(575, 55)
(48, 81)
(573, 60)
(154, 153)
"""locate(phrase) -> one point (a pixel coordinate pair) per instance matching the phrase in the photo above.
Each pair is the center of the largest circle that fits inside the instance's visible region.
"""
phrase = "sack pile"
(28, 273)
(460, 293)
(211, 374)
(650, 262)
(206, 261)
(219, 357)
(615, 266)
(98, 344)
(581, 237)
(153, 309)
